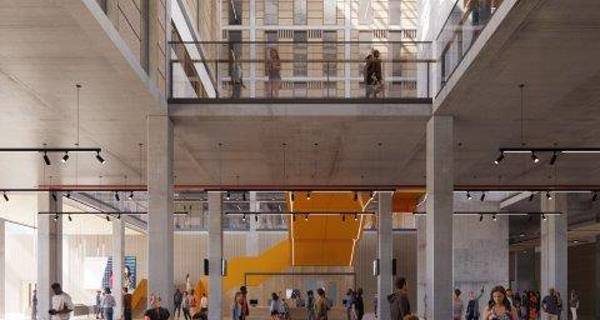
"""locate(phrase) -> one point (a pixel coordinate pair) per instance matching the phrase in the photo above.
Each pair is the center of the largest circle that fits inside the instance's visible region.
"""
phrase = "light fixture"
(308, 195)
(244, 218)
(5, 196)
(548, 195)
(522, 234)
(256, 217)
(46, 159)
(54, 197)
(117, 196)
(65, 158)
(108, 218)
(482, 198)
(531, 196)
(480, 217)
(356, 217)
(119, 216)
(293, 196)
(244, 196)
(595, 196)
(534, 158)
(469, 197)
(294, 217)
(343, 217)
(355, 196)
(554, 157)
(70, 219)
(544, 217)
(499, 159)
(56, 217)
(227, 195)
(68, 195)
(99, 158)
(306, 217)
(494, 218)
(575, 241)
(130, 195)
(372, 195)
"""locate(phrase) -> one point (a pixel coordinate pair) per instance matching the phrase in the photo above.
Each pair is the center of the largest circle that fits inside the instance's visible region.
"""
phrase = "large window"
(365, 12)
(299, 12)
(235, 12)
(329, 11)
(329, 53)
(271, 12)
(300, 53)
(395, 12)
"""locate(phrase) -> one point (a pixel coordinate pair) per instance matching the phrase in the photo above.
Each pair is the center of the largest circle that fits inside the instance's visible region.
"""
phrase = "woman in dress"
(499, 308)
(273, 71)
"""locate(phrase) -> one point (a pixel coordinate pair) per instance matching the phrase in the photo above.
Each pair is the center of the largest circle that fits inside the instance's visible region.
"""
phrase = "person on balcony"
(273, 71)
(237, 75)
(373, 75)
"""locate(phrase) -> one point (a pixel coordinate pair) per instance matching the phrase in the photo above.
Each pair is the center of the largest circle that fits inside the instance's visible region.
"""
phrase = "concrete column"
(2, 268)
(525, 270)
(160, 208)
(439, 208)
(385, 253)
(554, 246)
(118, 260)
(252, 236)
(215, 255)
(49, 250)
(421, 305)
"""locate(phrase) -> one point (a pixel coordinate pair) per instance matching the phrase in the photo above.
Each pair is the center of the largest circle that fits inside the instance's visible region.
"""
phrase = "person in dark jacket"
(473, 305)
(359, 304)
(399, 304)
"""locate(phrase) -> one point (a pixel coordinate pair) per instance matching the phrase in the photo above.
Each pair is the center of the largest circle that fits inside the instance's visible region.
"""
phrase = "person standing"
(574, 304)
(127, 307)
(399, 304)
(188, 283)
(550, 305)
(237, 311)
(34, 303)
(458, 305)
(185, 306)
(533, 306)
(245, 306)
(156, 312)
(368, 74)
(348, 303)
(473, 306)
(204, 303)
(359, 304)
(275, 307)
(192, 304)
(310, 305)
(321, 305)
(61, 304)
(509, 296)
(273, 71)
(98, 306)
(376, 74)
(177, 300)
(108, 304)
(499, 308)
(237, 76)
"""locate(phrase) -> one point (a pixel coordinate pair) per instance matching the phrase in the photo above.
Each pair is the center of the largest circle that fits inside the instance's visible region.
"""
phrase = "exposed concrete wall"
(480, 254)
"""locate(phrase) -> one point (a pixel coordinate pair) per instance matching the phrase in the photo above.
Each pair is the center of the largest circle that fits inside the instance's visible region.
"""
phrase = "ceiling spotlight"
(306, 217)
(119, 216)
(499, 159)
(56, 217)
(554, 157)
(595, 196)
(46, 159)
(117, 196)
(294, 217)
(480, 217)
(531, 196)
(5, 196)
(244, 196)
(99, 158)
(469, 196)
(228, 195)
(355, 196)
(575, 241)
(544, 217)
(65, 158)
(372, 195)
(70, 219)
(244, 218)
(343, 217)
(534, 158)
(494, 217)
(522, 234)
(68, 195)
(107, 218)
(54, 196)
(548, 195)
(256, 217)
(356, 217)
(308, 195)
(130, 195)
(293, 196)
(482, 198)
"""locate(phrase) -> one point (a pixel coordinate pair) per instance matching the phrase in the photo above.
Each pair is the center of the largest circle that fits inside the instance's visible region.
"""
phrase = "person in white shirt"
(62, 305)
(108, 304)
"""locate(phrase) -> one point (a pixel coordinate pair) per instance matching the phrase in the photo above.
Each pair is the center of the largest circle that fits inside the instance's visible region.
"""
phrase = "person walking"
(188, 283)
(321, 305)
(98, 305)
(348, 303)
(399, 303)
(550, 305)
(499, 308)
(376, 74)
(156, 312)
(185, 306)
(237, 311)
(310, 305)
(177, 300)
(533, 306)
(473, 306)
(108, 304)
(34, 304)
(359, 304)
(127, 306)
(275, 308)
(193, 304)
(245, 306)
(237, 76)
(368, 73)
(61, 303)
(273, 71)
(458, 305)
(574, 304)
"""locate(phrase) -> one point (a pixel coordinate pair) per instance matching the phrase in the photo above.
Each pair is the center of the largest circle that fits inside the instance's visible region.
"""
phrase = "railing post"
(171, 79)
(327, 79)
(217, 82)
(428, 79)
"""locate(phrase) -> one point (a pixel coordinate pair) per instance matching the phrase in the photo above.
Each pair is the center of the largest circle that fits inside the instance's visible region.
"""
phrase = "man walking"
(550, 305)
